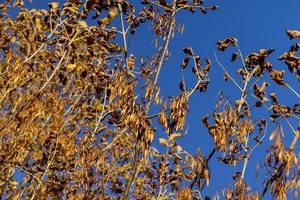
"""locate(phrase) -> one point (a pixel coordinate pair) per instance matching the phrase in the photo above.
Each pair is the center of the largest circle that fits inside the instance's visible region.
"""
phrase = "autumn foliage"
(77, 107)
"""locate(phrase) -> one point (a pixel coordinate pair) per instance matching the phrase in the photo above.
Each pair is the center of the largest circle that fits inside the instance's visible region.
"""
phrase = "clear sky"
(256, 24)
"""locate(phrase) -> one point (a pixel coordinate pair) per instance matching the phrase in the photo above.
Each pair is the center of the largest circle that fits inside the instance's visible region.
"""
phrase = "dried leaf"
(234, 57)
(83, 24)
(188, 51)
(173, 136)
(223, 44)
(163, 142)
(274, 133)
(293, 34)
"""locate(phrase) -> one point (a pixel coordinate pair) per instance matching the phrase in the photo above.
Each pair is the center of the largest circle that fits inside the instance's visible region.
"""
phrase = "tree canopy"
(80, 113)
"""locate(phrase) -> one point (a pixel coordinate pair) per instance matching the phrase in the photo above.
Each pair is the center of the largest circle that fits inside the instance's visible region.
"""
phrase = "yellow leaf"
(113, 12)
(99, 106)
(14, 184)
(272, 136)
(83, 24)
(71, 67)
(163, 142)
(53, 5)
(38, 24)
(13, 39)
(206, 176)
(174, 136)
(178, 148)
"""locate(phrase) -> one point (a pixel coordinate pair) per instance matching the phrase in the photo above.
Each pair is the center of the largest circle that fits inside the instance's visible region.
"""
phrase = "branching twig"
(225, 71)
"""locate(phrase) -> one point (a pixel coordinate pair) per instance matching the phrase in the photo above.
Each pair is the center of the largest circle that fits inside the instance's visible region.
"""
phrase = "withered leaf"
(226, 76)
(207, 67)
(274, 97)
(212, 7)
(163, 142)
(223, 44)
(188, 51)
(293, 34)
(277, 76)
(83, 24)
(205, 121)
(296, 109)
(234, 57)
(203, 9)
(182, 85)
(185, 63)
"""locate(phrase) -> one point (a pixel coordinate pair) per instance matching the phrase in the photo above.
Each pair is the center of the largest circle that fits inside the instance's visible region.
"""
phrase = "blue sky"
(256, 24)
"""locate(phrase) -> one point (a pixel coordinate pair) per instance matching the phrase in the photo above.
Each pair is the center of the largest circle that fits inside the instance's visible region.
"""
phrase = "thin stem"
(294, 91)
(224, 69)
(198, 75)
(123, 32)
(166, 43)
(242, 58)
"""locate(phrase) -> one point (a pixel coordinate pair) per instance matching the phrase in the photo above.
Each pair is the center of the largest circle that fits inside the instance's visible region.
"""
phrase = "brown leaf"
(205, 121)
(184, 194)
(212, 8)
(182, 85)
(226, 76)
(207, 67)
(188, 51)
(223, 44)
(293, 34)
(185, 63)
(234, 57)
(277, 76)
(274, 98)
(296, 109)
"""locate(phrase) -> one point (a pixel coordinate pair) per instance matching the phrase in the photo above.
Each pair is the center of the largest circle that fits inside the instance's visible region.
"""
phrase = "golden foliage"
(76, 107)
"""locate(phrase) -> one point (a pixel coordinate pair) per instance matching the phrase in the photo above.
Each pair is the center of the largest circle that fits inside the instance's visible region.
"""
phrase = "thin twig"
(166, 44)
(294, 91)
(224, 69)
(242, 57)
(198, 75)
(123, 33)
